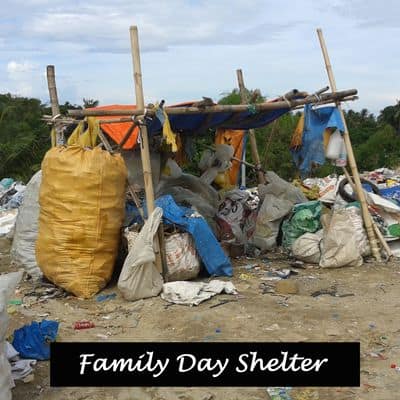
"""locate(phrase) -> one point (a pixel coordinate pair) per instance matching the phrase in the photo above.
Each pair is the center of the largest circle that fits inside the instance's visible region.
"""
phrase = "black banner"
(205, 364)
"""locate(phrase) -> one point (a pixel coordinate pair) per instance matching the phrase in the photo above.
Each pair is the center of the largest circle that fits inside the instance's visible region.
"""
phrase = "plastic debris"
(193, 293)
(33, 341)
(105, 297)
(78, 325)
(279, 393)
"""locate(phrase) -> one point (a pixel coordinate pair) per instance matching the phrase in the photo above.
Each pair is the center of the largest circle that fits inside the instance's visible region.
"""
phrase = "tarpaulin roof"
(191, 123)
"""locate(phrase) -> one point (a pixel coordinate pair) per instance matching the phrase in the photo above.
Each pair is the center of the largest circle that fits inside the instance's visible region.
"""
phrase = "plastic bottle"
(341, 161)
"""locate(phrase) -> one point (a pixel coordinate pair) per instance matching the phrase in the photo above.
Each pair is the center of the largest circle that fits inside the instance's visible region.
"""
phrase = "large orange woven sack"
(82, 199)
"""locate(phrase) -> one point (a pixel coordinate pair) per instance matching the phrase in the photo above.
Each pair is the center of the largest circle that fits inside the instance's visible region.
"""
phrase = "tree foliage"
(24, 138)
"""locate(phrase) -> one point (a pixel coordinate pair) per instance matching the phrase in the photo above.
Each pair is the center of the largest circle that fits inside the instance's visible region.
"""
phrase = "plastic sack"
(339, 247)
(270, 215)
(235, 217)
(207, 246)
(26, 229)
(33, 341)
(280, 188)
(307, 247)
(8, 283)
(82, 199)
(182, 259)
(139, 277)
(7, 223)
(305, 218)
(355, 217)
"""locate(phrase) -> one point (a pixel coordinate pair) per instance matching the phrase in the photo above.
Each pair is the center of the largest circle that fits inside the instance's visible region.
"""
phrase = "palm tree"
(89, 103)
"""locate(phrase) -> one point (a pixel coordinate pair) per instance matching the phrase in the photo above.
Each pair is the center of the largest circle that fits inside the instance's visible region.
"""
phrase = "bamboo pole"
(144, 147)
(70, 120)
(272, 105)
(55, 107)
(350, 156)
(252, 136)
(376, 229)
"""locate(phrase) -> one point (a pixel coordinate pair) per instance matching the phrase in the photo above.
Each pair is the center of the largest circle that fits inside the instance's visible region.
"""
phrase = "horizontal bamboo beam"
(69, 120)
(276, 105)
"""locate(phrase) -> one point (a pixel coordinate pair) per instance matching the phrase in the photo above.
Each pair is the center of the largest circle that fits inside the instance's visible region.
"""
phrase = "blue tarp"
(33, 341)
(207, 246)
(312, 148)
(193, 123)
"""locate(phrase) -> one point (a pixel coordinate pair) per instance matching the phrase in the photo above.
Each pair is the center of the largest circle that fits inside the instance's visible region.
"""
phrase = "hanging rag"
(168, 134)
(236, 139)
(311, 151)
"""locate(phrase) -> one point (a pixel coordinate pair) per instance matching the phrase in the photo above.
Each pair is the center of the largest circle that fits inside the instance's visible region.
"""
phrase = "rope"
(252, 109)
(287, 102)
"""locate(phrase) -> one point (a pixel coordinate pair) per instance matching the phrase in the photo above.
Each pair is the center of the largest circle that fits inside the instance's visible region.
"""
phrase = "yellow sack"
(87, 138)
(82, 202)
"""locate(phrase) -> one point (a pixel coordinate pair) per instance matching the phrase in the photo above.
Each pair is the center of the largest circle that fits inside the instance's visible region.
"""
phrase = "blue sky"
(192, 48)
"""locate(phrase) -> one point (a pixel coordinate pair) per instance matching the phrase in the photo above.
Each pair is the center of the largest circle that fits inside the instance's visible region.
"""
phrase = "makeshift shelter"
(126, 128)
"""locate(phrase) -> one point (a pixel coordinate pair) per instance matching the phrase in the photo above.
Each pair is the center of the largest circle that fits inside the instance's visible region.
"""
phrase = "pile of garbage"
(382, 188)
(75, 240)
(11, 196)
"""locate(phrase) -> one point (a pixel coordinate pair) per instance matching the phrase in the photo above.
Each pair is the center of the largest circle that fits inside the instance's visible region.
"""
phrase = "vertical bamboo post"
(350, 156)
(144, 147)
(252, 136)
(55, 107)
(376, 229)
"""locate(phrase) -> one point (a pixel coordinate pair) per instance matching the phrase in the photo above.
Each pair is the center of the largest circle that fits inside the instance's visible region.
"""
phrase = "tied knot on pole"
(251, 108)
(289, 104)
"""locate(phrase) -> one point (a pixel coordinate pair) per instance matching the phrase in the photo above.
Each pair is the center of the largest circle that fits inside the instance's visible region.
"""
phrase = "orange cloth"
(118, 130)
(236, 139)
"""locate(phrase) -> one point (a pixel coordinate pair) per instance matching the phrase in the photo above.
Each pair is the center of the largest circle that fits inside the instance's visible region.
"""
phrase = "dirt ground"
(370, 315)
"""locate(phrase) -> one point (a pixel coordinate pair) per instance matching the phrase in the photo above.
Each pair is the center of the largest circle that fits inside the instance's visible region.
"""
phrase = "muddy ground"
(369, 315)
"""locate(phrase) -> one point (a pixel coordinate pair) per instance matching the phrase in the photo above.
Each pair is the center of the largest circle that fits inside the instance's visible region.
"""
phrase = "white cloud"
(15, 68)
(192, 48)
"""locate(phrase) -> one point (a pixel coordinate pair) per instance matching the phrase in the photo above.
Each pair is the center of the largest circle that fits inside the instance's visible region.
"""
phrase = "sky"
(192, 48)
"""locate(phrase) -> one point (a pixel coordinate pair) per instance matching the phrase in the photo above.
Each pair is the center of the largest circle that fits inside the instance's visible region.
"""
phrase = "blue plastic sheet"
(207, 246)
(312, 148)
(33, 341)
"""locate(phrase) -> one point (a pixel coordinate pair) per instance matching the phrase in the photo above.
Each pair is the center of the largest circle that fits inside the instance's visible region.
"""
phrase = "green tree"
(24, 138)
(391, 115)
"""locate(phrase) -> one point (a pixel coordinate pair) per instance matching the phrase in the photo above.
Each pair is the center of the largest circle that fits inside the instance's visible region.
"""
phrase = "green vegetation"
(24, 137)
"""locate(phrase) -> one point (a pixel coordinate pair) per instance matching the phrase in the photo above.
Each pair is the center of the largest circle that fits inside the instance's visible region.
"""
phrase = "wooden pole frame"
(55, 107)
(252, 135)
(145, 152)
(350, 156)
(272, 105)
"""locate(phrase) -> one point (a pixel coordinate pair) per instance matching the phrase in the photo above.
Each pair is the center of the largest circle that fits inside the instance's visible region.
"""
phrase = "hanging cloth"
(311, 151)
